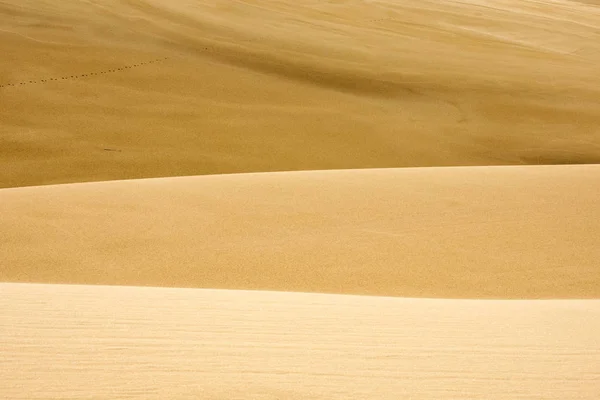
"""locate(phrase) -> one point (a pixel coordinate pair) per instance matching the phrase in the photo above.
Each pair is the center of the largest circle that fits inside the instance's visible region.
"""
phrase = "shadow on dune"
(560, 158)
(194, 40)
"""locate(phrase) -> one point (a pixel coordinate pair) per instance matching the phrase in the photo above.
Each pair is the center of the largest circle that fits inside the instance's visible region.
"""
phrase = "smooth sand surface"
(97, 90)
(493, 271)
(463, 232)
(92, 342)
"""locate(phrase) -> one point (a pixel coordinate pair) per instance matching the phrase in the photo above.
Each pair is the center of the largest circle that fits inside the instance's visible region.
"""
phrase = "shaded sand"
(99, 90)
(80, 342)
(463, 232)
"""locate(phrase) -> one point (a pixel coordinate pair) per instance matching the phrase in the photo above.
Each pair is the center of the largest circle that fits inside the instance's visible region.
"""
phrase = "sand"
(119, 89)
(283, 199)
(78, 342)
(463, 232)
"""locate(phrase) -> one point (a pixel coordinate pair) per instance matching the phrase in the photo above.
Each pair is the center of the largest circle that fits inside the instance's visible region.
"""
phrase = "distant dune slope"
(75, 342)
(464, 232)
(100, 90)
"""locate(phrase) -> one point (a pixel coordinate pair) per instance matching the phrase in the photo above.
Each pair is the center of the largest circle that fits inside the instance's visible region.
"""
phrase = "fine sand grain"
(99, 90)
(203, 199)
(463, 232)
(85, 342)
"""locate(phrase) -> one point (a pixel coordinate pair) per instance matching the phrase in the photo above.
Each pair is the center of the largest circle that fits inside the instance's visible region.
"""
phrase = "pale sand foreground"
(91, 342)
(118, 89)
(464, 232)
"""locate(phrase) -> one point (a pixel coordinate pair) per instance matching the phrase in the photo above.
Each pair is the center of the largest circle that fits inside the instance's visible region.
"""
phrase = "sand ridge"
(463, 232)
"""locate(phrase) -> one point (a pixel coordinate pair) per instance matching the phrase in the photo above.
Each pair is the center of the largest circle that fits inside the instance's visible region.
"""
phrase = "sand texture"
(113, 89)
(311, 199)
(84, 342)
(494, 232)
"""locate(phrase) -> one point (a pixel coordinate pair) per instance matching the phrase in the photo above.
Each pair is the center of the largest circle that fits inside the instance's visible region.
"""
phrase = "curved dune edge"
(82, 342)
(488, 232)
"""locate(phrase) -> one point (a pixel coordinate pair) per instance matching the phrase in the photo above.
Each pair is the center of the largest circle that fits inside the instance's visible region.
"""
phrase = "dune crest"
(464, 232)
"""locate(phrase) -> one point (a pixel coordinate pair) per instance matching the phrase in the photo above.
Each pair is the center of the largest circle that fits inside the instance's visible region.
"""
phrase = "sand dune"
(99, 90)
(271, 133)
(494, 232)
(75, 342)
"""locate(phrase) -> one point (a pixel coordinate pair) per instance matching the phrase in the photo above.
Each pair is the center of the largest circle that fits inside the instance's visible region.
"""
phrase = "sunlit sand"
(285, 199)
(493, 232)
(154, 343)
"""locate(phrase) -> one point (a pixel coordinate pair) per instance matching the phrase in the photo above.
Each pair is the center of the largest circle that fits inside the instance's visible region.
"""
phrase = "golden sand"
(119, 89)
(493, 232)
(272, 133)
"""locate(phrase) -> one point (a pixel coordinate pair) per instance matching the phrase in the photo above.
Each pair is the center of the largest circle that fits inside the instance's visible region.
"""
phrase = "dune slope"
(99, 90)
(464, 232)
(74, 342)
(295, 259)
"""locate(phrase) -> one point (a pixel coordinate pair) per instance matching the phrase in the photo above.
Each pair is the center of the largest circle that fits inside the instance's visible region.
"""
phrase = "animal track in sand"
(380, 19)
(85, 75)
